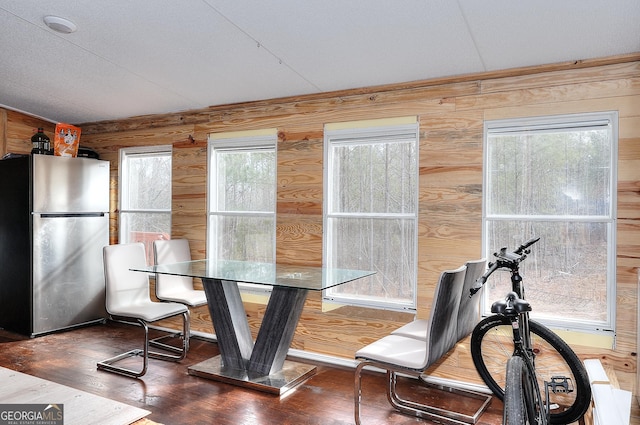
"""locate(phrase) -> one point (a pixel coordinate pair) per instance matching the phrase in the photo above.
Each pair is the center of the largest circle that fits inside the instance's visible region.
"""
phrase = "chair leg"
(182, 353)
(159, 342)
(434, 413)
(109, 364)
(357, 396)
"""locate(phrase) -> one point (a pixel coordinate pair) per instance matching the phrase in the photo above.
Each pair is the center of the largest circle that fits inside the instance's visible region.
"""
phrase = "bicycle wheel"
(521, 403)
(492, 347)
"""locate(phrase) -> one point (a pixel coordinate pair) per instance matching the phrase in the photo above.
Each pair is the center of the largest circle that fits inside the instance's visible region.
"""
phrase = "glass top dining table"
(259, 364)
(302, 277)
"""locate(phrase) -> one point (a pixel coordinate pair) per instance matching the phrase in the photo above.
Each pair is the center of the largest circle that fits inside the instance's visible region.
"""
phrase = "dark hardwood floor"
(175, 398)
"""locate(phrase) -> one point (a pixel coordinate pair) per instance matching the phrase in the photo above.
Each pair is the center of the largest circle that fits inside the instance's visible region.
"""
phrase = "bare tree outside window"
(242, 192)
(145, 196)
(555, 180)
(371, 214)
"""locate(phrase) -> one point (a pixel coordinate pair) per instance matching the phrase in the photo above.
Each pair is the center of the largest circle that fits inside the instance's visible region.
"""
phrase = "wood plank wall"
(451, 113)
(16, 130)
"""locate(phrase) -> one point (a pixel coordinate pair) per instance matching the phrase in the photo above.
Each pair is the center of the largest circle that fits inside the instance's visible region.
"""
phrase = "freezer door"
(70, 185)
(68, 275)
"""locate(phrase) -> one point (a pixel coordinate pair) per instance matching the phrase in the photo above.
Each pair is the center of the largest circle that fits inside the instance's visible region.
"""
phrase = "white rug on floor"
(79, 407)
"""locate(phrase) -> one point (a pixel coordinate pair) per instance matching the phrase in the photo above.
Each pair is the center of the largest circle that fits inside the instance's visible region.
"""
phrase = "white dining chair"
(128, 300)
(172, 288)
(176, 288)
(402, 354)
(468, 311)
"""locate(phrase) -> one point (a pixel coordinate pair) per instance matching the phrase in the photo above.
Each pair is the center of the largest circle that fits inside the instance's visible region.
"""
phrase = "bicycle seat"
(511, 305)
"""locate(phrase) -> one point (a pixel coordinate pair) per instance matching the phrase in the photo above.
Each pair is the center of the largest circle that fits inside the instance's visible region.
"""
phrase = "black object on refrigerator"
(54, 222)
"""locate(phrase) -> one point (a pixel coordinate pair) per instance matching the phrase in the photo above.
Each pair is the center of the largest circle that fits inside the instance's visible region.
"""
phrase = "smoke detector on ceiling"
(59, 24)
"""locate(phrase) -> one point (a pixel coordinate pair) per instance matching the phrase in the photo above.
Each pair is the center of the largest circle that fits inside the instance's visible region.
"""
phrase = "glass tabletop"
(312, 278)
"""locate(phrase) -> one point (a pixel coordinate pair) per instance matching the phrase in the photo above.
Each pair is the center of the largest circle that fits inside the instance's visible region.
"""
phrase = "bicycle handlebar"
(521, 249)
(505, 259)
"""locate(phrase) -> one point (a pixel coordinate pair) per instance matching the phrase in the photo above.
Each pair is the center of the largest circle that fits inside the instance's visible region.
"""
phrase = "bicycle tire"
(521, 405)
(492, 346)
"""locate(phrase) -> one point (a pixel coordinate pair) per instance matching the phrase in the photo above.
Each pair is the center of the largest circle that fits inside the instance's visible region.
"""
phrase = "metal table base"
(291, 374)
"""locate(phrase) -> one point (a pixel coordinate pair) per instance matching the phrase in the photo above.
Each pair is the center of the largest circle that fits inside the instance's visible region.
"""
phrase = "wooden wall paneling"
(276, 112)
(19, 129)
(451, 196)
(559, 78)
(300, 172)
(299, 239)
(628, 201)
(628, 163)
(189, 189)
(623, 359)
(550, 95)
(573, 107)
(299, 198)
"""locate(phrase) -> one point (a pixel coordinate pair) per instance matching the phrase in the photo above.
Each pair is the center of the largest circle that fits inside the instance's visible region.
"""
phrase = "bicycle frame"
(523, 346)
(517, 310)
(521, 335)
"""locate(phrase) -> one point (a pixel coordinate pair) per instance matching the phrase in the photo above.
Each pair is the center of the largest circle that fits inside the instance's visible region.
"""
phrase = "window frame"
(123, 178)
(358, 132)
(550, 123)
(230, 142)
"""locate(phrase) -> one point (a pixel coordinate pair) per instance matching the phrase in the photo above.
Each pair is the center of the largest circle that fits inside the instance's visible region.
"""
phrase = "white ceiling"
(138, 57)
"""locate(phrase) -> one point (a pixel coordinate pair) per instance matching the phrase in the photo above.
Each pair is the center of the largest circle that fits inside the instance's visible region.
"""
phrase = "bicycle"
(544, 381)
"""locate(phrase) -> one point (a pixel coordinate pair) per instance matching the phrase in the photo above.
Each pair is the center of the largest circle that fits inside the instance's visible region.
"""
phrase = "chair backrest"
(171, 251)
(442, 326)
(469, 312)
(124, 287)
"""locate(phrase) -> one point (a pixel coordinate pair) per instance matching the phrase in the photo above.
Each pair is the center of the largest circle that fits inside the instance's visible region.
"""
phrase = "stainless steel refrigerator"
(54, 222)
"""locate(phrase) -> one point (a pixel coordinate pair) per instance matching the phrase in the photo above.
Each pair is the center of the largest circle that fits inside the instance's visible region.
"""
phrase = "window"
(242, 196)
(555, 177)
(145, 196)
(371, 212)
